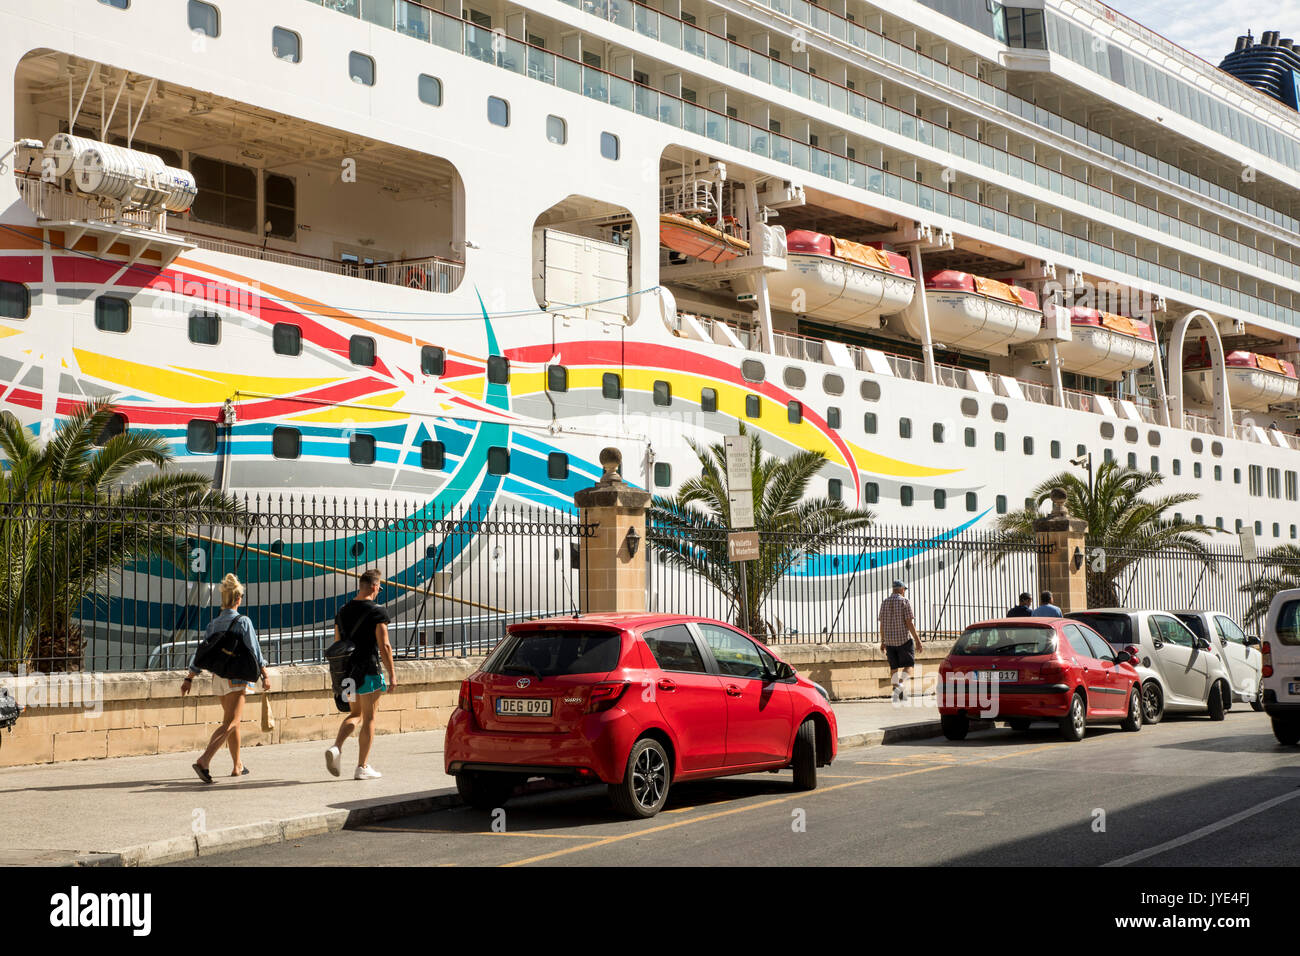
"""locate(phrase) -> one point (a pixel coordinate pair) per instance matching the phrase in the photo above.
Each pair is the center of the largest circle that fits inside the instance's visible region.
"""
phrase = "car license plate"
(1293, 688)
(1009, 676)
(524, 706)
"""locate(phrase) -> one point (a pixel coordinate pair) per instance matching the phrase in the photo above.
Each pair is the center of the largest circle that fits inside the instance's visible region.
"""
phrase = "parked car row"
(1117, 665)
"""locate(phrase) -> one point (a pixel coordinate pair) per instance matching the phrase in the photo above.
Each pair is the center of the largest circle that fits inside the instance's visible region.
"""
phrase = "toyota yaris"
(638, 702)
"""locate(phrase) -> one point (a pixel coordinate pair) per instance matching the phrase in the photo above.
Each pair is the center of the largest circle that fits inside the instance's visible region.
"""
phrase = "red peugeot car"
(1025, 669)
(636, 701)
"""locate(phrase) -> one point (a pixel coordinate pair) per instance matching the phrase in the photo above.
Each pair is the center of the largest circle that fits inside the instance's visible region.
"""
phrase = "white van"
(1281, 666)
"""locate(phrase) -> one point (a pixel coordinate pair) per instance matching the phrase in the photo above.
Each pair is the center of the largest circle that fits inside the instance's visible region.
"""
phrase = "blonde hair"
(231, 591)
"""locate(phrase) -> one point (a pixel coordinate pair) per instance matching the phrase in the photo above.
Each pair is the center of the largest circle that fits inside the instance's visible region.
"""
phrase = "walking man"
(897, 632)
(1047, 608)
(366, 623)
(1025, 608)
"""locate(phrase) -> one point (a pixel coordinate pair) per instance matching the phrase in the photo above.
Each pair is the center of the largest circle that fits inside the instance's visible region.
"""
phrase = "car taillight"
(462, 702)
(1052, 671)
(605, 695)
(1266, 649)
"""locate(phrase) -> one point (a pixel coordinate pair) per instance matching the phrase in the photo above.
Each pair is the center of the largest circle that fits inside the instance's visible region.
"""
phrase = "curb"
(288, 829)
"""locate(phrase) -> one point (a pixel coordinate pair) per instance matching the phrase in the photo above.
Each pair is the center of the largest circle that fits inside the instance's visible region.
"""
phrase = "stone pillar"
(612, 563)
(1058, 569)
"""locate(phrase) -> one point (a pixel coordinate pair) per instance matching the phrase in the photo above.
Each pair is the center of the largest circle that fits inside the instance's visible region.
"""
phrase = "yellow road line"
(537, 836)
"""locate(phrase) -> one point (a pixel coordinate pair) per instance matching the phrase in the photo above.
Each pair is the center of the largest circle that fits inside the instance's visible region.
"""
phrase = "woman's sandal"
(242, 773)
(203, 773)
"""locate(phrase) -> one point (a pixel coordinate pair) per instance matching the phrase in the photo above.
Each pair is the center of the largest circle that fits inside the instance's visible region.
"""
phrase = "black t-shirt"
(1019, 611)
(358, 620)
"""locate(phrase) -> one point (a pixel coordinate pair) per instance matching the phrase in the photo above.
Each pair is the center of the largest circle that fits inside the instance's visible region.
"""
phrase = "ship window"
(361, 68)
(1218, 472)
(227, 194)
(609, 145)
(999, 412)
(1256, 480)
(1028, 445)
(871, 493)
(1080, 451)
(1055, 449)
(429, 89)
(753, 406)
(1107, 430)
(201, 438)
(433, 455)
(833, 385)
(1002, 504)
(832, 417)
(1274, 483)
(361, 350)
(557, 378)
(708, 399)
(1277, 530)
(498, 370)
(433, 360)
(1293, 532)
(1108, 455)
(835, 489)
(119, 4)
(663, 474)
(869, 423)
(972, 501)
(498, 111)
(286, 443)
(361, 450)
(286, 45)
(794, 377)
(112, 314)
(1131, 434)
(1236, 476)
(905, 496)
(1291, 488)
(752, 370)
(116, 425)
(1198, 446)
(663, 393)
(999, 441)
(940, 498)
(1196, 469)
(498, 460)
(205, 328)
(936, 433)
(611, 386)
(1153, 439)
(286, 339)
(970, 438)
(794, 412)
(1218, 523)
(1216, 449)
(204, 18)
(1133, 460)
(557, 466)
(15, 300)
(281, 204)
(1259, 527)
(1155, 463)
(870, 391)
(970, 408)
(904, 428)
(1178, 466)
(1236, 526)
(557, 130)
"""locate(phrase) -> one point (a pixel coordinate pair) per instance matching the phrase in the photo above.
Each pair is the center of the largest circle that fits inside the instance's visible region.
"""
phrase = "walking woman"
(231, 692)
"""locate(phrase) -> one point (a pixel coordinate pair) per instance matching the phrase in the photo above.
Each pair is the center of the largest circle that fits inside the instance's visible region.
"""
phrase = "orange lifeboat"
(840, 281)
(972, 313)
(1254, 381)
(696, 239)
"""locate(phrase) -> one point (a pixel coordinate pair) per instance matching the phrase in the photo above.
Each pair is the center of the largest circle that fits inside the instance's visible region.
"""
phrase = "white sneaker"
(367, 773)
(332, 760)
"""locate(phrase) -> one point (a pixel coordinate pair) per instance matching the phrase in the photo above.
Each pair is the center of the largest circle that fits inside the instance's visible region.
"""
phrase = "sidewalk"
(147, 810)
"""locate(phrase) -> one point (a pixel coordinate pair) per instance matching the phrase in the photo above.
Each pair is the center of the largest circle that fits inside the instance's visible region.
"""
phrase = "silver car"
(1238, 650)
(1179, 671)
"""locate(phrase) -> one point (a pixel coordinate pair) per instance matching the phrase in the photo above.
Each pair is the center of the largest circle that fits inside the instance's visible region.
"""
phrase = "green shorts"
(372, 683)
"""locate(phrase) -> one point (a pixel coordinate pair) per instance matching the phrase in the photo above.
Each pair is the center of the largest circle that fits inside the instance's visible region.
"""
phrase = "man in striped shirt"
(897, 632)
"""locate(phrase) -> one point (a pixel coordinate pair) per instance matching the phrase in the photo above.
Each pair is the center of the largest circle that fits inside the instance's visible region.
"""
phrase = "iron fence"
(102, 586)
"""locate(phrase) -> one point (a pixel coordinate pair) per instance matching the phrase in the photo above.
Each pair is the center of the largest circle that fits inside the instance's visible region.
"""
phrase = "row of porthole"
(907, 496)
(1131, 435)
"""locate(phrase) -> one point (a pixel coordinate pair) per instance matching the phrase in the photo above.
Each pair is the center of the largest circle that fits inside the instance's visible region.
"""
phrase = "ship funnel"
(1286, 42)
(1270, 37)
(1242, 43)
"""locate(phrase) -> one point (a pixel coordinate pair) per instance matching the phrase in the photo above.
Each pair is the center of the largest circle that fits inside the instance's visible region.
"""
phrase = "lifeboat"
(1105, 345)
(1254, 381)
(971, 313)
(699, 240)
(840, 281)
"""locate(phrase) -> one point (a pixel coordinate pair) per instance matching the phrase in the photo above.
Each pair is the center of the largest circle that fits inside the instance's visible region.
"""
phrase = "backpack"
(225, 654)
(346, 661)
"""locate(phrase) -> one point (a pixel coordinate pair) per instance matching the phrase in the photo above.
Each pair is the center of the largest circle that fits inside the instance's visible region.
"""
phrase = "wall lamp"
(633, 542)
(1077, 560)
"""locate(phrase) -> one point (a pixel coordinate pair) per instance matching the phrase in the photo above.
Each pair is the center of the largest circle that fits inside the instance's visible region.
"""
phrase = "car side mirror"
(783, 671)
(1202, 644)
(1251, 642)
(1123, 657)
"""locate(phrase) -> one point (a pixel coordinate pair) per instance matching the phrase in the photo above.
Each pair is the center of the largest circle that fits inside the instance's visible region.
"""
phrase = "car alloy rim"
(1077, 714)
(648, 777)
(1135, 707)
(1150, 702)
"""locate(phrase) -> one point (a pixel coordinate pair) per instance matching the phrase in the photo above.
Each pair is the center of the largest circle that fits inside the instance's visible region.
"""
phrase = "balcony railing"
(51, 202)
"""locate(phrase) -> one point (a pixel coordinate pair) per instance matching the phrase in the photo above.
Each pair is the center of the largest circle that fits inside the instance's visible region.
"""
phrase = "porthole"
(1131, 435)
(1107, 430)
(833, 385)
(752, 370)
(1197, 445)
(794, 377)
(999, 412)
(870, 391)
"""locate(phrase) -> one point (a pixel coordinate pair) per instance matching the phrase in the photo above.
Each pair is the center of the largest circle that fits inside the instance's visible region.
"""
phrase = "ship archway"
(585, 260)
(1218, 368)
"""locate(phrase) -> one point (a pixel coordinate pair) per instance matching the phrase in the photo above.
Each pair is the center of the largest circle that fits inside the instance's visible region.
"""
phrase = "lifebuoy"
(416, 279)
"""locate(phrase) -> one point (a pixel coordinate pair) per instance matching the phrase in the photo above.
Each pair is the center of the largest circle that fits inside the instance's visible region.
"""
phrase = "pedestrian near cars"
(230, 690)
(365, 623)
(1046, 608)
(1025, 608)
(897, 634)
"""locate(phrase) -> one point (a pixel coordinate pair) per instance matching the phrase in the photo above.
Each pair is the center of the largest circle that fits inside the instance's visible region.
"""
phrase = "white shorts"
(221, 686)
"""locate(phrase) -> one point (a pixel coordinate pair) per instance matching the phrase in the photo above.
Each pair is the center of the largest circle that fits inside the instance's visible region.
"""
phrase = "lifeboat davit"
(972, 313)
(699, 240)
(840, 281)
(1254, 381)
(1105, 345)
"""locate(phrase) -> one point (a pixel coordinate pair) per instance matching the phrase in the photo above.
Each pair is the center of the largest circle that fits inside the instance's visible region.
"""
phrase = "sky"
(1209, 28)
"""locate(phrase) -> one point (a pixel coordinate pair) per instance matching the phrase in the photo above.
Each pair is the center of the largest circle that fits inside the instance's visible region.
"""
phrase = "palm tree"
(69, 517)
(1123, 524)
(692, 526)
(1283, 564)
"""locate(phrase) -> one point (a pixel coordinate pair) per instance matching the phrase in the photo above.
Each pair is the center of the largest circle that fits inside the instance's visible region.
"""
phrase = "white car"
(1179, 671)
(1282, 666)
(1240, 653)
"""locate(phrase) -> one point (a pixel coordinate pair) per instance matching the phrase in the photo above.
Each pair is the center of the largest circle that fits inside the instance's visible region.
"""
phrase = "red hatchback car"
(1025, 669)
(635, 701)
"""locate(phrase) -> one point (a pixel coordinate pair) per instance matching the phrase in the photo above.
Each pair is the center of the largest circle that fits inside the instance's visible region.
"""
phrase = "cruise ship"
(448, 251)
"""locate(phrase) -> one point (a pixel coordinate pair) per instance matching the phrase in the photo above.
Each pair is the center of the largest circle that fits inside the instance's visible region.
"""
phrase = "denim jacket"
(249, 633)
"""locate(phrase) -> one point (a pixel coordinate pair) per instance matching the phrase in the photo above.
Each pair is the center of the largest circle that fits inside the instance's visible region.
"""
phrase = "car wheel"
(1153, 703)
(955, 726)
(1075, 722)
(645, 781)
(1133, 722)
(1020, 724)
(1215, 703)
(805, 757)
(484, 791)
(1257, 705)
(1287, 730)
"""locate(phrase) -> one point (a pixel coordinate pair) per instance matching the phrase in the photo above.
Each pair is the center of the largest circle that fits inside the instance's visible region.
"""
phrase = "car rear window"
(1113, 627)
(1020, 641)
(1288, 623)
(551, 653)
